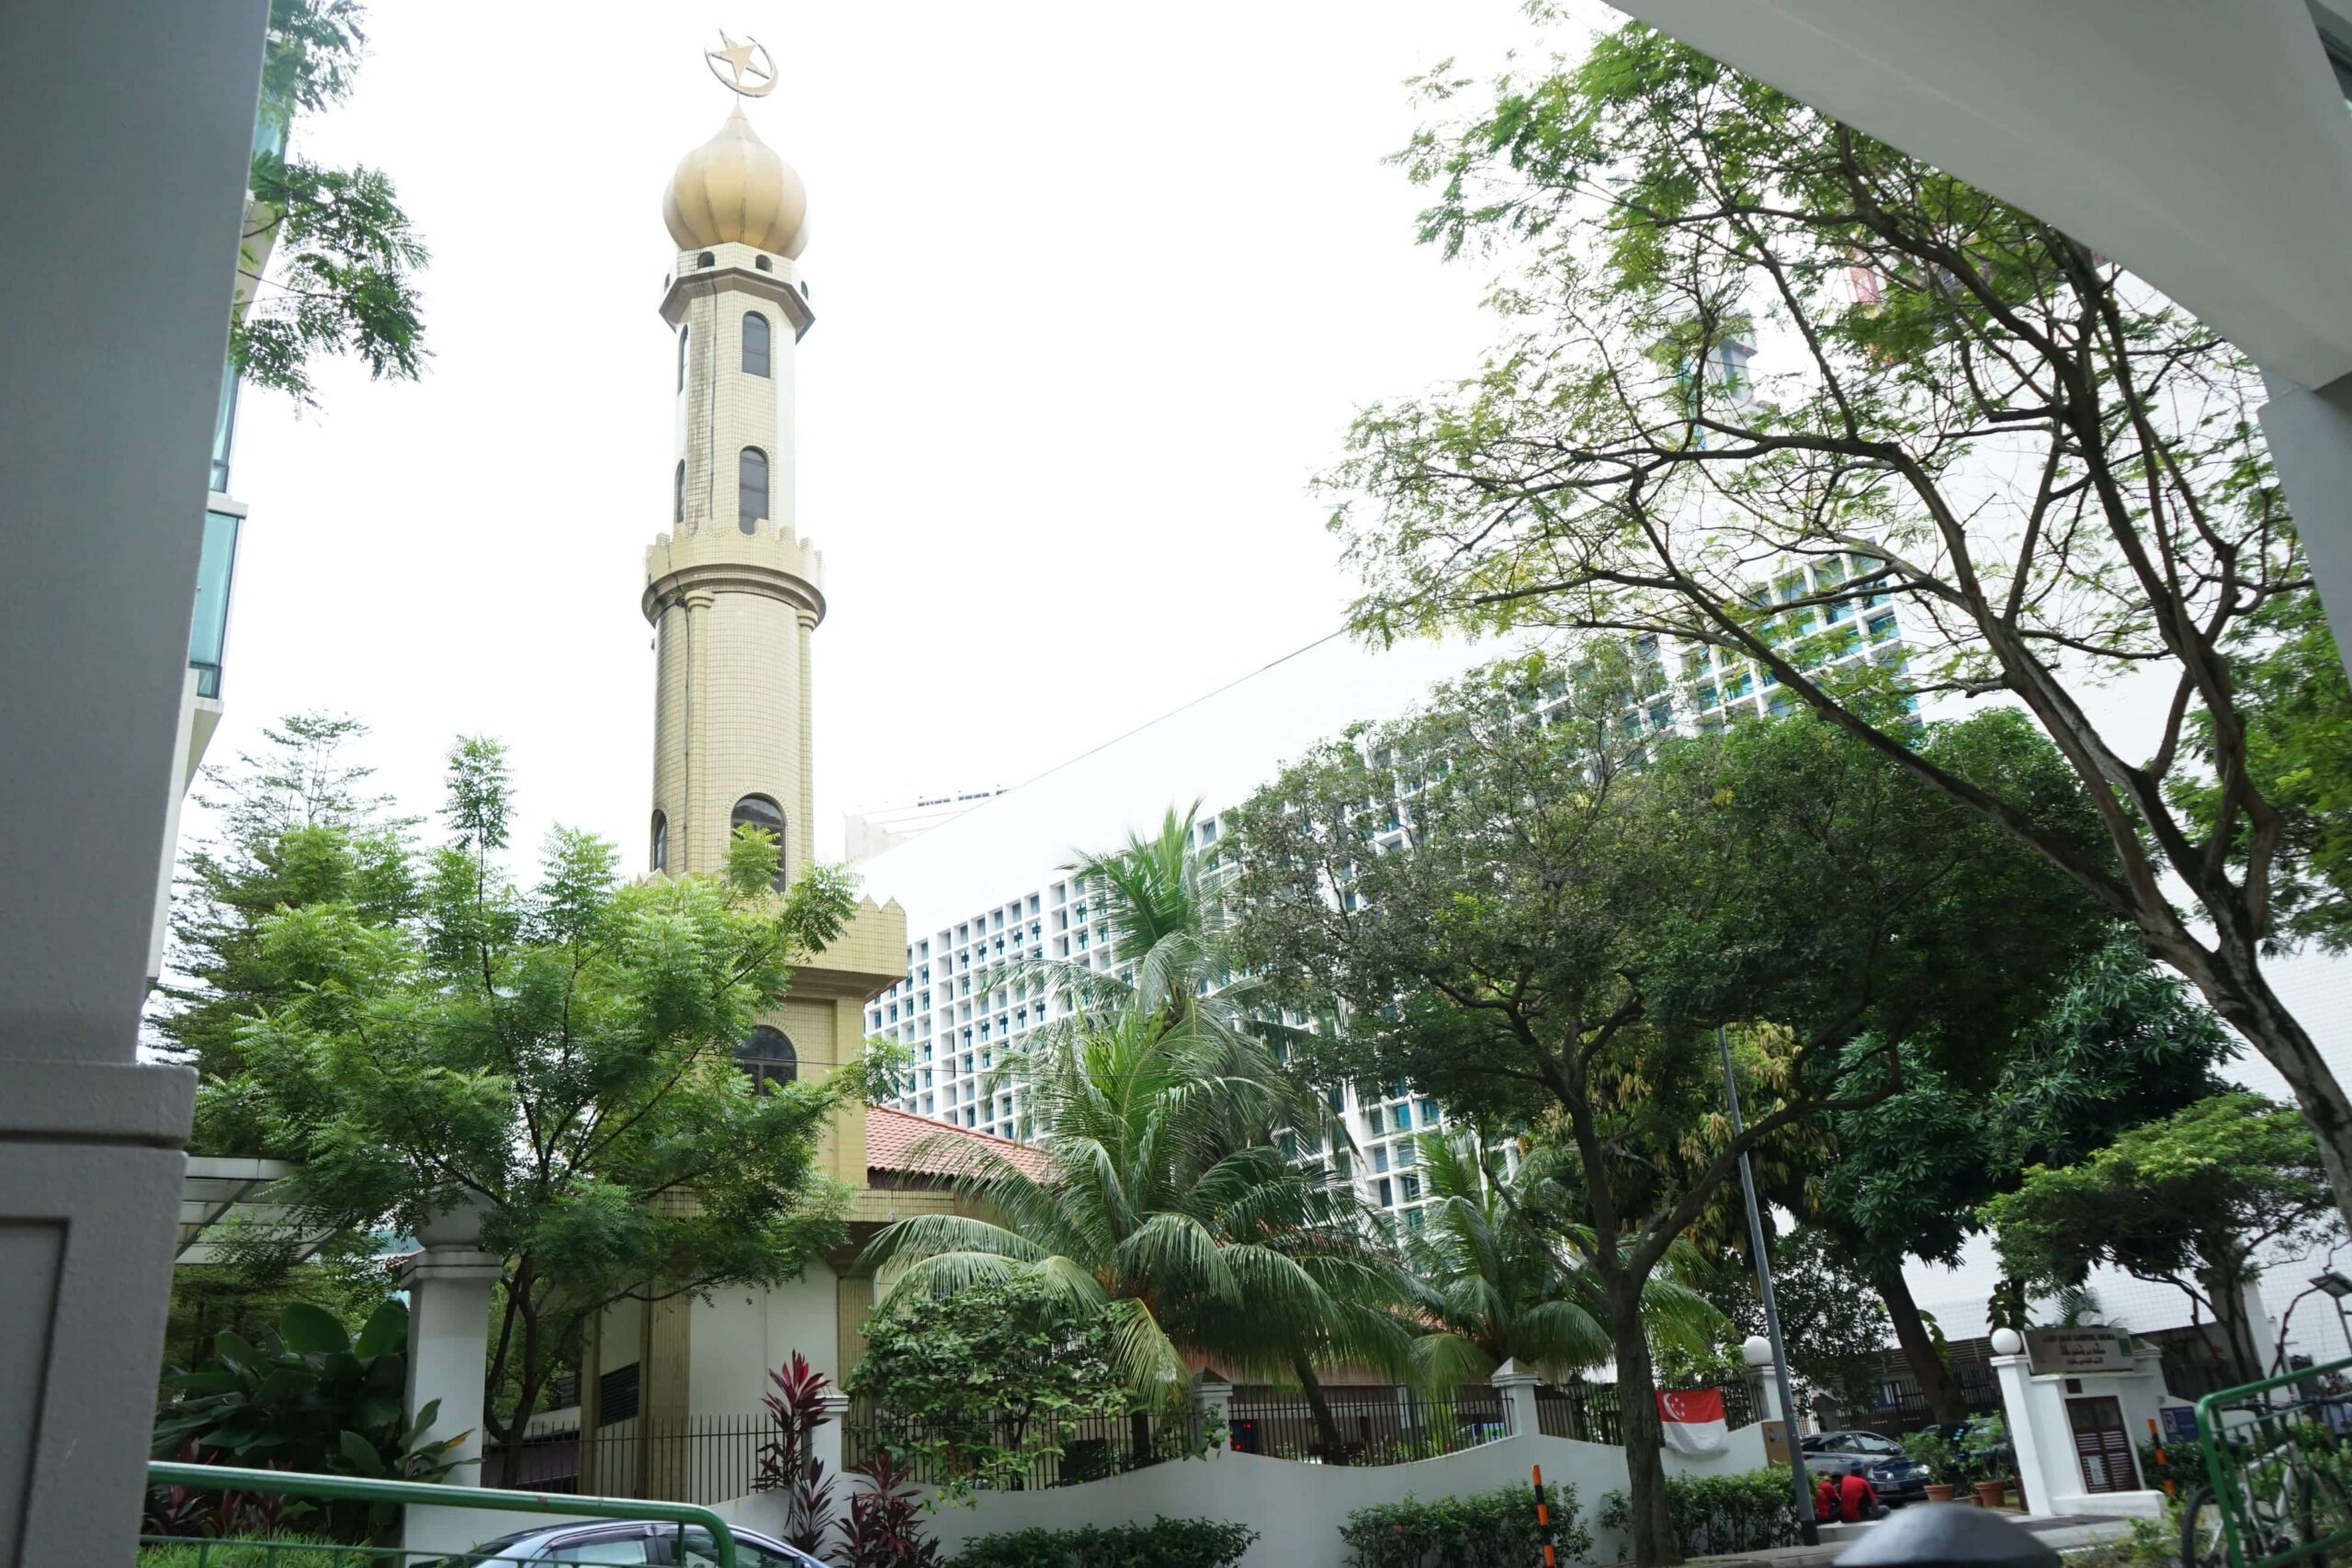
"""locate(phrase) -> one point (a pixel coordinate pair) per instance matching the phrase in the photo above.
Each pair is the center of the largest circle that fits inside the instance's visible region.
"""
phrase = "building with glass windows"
(982, 891)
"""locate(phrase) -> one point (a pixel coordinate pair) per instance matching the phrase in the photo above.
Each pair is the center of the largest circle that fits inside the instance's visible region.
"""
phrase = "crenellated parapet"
(771, 561)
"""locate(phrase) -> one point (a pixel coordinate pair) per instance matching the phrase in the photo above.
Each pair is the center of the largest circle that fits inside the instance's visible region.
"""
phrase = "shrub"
(279, 1551)
(2183, 1464)
(1486, 1529)
(1746, 1512)
(1163, 1543)
(1931, 1448)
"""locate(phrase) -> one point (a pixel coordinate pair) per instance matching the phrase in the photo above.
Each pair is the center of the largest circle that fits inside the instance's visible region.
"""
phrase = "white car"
(626, 1540)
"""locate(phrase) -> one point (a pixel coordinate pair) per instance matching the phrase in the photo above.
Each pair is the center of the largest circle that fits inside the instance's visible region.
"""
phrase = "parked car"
(1879, 1459)
(628, 1542)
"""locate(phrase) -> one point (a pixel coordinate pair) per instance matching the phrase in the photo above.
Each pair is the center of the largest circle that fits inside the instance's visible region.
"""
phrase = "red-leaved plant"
(885, 1528)
(788, 1461)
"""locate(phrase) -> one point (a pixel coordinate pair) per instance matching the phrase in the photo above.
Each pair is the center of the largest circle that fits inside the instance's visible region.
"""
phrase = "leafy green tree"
(1494, 1289)
(297, 830)
(2191, 1202)
(2287, 677)
(559, 1059)
(2123, 1044)
(1166, 1207)
(310, 1397)
(341, 253)
(976, 1386)
(1577, 907)
(2050, 474)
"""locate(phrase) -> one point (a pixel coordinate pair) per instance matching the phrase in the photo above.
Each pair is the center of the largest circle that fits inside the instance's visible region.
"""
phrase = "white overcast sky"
(1098, 289)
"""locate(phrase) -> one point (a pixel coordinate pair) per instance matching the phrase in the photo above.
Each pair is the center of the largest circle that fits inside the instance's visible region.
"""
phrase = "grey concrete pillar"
(129, 126)
(1518, 1388)
(2310, 434)
(449, 1346)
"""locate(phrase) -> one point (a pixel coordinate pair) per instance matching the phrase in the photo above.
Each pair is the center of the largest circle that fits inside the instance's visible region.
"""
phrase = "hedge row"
(1746, 1512)
(1163, 1543)
(1486, 1529)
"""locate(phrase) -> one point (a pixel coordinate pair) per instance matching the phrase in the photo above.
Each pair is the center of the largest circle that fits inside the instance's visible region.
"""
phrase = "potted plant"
(1986, 1458)
(1933, 1452)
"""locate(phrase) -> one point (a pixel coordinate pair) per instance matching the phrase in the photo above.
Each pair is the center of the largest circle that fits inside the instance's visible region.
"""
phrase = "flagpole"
(1806, 1529)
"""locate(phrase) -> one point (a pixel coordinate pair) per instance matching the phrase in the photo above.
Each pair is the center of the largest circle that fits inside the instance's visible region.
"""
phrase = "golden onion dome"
(733, 189)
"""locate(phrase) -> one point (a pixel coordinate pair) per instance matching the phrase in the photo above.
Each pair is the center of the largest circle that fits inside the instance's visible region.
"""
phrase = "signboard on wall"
(1776, 1442)
(2073, 1351)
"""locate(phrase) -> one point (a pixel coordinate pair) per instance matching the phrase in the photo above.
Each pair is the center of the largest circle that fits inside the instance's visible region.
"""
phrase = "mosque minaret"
(733, 591)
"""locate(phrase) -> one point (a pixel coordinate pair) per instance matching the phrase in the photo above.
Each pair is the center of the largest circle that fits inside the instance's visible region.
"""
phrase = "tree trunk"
(1945, 1402)
(1335, 1448)
(2229, 977)
(2226, 1289)
(1652, 1539)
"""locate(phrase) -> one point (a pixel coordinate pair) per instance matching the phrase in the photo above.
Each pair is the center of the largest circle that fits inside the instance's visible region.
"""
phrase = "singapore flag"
(1694, 1420)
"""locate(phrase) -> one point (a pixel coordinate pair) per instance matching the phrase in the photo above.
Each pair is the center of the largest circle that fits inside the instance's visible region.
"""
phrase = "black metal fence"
(1901, 1405)
(1590, 1412)
(1377, 1426)
(1033, 1454)
(698, 1459)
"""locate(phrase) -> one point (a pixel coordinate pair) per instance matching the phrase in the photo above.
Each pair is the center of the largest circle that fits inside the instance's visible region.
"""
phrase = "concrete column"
(1213, 1403)
(1518, 1388)
(448, 1345)
(1764, 1379)
(825, 1444)
(2036, 1478)
(2310, 434)
(129, 130)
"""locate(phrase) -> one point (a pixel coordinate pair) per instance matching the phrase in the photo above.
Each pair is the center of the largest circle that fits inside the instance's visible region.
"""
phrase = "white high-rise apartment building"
(957, 1029)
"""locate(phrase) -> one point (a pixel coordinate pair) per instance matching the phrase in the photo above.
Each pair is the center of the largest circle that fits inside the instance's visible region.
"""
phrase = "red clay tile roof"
(902, 1143)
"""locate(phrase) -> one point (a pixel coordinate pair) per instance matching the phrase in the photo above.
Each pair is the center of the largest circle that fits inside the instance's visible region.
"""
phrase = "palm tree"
(1493, 1289)
(1165, 1205)
(1170, 961)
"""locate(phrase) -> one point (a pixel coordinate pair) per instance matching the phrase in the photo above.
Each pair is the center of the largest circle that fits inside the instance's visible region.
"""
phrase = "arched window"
(681, 356)
(763, 263)
(659, 859)
(755, 344)
(767, 1057)
(751, 488)
(705, 259)
(678, 506)
(758, 811)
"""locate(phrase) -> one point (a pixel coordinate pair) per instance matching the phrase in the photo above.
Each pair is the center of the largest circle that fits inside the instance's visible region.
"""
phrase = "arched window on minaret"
(683, 333)
(758, 811)
(767, 1057)
(755, 344)
(678, 505)
(660, 858)
(751, 488)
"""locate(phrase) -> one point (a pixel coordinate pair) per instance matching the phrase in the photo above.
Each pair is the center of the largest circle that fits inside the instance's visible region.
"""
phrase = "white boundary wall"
(1297, 1508)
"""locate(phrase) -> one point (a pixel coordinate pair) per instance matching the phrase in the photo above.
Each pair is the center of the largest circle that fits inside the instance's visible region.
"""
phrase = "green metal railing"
(293, 1483)
(2275, 1471)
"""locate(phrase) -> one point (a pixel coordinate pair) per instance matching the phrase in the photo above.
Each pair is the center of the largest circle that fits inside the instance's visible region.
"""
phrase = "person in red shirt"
(1825, 1501)
(1858, 1499)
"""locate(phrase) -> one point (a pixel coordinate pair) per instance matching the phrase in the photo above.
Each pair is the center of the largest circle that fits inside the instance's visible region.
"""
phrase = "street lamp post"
(1804, 1494)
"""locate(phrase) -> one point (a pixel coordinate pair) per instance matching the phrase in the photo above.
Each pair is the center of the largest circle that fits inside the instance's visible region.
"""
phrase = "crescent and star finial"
(736, 69)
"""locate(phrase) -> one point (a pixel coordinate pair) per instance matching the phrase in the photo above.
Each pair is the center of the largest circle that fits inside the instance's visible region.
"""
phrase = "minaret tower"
(732, 590)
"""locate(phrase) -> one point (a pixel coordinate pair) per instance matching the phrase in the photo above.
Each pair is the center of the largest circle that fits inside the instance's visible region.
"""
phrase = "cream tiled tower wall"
(733, 600)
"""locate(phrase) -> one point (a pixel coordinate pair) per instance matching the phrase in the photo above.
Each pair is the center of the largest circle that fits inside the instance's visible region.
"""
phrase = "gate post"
(1518, 1389)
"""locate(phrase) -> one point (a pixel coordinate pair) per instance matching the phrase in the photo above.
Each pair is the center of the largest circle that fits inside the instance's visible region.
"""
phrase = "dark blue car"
(1878, 1459)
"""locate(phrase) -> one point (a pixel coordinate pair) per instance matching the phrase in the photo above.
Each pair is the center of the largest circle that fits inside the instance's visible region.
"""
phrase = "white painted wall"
(1297, 1508)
